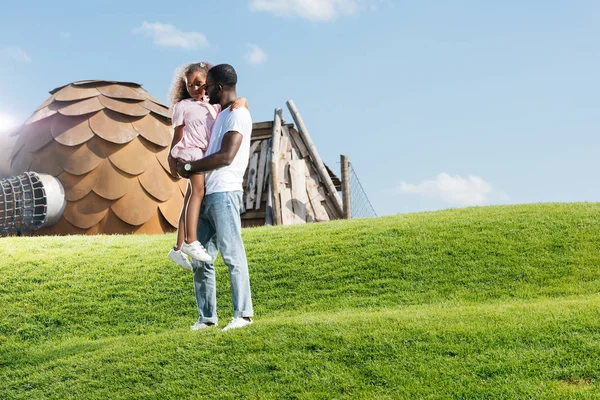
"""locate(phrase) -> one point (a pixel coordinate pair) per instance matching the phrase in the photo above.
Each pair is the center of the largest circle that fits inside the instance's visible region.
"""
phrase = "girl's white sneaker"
(196, 251)
(180, 259)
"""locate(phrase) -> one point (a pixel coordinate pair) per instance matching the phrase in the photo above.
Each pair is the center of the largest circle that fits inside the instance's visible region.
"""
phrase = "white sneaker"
(237, 323)
(201, 325)
(180, 259)
(196, 251)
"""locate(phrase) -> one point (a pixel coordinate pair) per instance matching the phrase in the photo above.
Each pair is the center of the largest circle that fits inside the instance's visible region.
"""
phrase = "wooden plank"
(267, 166)
(285, 133)
(251, 191)
(299, 199)
(261, 132)
(262, 164)
(316, 198)
(314, 154)
(254, 146)
(329, 206)
(299, 142)
(287, 210)
(262, 125)
(287, 214)
(262, 136)
(294, 152)
(274, 166)
(284, 156)
(269, 210)
(310, 211)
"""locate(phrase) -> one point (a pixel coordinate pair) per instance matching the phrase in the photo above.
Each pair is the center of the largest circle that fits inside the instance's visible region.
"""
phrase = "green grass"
(490, 302)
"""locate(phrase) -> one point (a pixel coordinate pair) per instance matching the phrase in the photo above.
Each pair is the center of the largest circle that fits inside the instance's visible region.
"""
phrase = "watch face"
(187, 167)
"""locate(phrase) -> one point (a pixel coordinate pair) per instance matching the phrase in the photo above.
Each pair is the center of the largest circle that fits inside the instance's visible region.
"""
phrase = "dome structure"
(107, 143)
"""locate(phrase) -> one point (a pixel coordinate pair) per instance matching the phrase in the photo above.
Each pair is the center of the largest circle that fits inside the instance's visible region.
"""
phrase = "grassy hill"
(490, 302)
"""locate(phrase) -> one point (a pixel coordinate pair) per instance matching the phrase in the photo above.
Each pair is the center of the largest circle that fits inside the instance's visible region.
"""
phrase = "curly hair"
(178, 90)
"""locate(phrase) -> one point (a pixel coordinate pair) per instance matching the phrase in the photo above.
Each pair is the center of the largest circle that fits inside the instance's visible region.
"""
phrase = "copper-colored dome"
(107, 142)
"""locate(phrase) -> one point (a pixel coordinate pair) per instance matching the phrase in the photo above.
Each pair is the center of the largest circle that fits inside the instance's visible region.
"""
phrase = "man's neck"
(227, 98)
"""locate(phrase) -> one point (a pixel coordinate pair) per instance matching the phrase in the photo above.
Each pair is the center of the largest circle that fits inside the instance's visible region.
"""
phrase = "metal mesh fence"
(359, 201)
(23, 204)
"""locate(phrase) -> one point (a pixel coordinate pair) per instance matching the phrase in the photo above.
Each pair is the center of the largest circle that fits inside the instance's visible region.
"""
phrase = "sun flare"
(7, 123)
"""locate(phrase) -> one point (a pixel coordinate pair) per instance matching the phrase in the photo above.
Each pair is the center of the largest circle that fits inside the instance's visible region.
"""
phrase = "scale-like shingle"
(107, 142)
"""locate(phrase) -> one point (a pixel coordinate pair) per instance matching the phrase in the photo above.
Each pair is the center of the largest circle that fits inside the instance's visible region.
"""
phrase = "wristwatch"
(187, 167)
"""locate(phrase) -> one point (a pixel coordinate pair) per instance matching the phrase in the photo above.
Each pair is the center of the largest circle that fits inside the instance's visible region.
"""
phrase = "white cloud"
(313, 10)
(456, 190)
(255, 55)
(168, 36)
(15, 54)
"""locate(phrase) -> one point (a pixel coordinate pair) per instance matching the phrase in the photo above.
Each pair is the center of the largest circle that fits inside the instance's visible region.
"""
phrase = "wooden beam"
(269, 208)
(251, 190)
(274, 165)
(346, 187)
(267, 179)
(262, 125)
(298, 141)
(332, 192)
(262, 136)
(262, 163)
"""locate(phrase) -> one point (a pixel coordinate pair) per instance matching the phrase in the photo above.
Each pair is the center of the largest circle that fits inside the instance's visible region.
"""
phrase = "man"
(219, 226)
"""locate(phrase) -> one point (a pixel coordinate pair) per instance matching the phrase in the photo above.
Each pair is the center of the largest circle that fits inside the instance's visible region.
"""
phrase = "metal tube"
(30, 201)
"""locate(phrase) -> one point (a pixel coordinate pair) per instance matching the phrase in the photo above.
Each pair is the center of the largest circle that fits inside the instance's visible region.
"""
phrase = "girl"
(193, 118)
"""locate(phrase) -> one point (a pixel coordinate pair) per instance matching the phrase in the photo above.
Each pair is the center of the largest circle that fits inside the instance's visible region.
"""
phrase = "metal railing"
(359, 201)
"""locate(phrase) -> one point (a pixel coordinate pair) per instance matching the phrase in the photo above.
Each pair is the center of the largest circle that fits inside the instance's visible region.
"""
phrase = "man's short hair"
(223, 74)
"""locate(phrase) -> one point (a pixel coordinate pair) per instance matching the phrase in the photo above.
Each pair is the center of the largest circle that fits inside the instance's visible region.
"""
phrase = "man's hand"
(172, 166)
(180, 170)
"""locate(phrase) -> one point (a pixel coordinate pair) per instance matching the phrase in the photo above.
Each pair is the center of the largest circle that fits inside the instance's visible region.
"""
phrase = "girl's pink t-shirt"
(197, 118)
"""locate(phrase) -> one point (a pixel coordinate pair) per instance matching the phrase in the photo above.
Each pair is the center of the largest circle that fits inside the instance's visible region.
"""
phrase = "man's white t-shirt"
(229, 178)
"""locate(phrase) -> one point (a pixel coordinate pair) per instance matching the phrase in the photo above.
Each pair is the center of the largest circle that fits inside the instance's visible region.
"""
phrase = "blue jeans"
(220, 229)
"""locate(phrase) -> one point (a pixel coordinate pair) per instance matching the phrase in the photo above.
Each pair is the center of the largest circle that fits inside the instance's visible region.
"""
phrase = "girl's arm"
(177, 136)
(239, 102)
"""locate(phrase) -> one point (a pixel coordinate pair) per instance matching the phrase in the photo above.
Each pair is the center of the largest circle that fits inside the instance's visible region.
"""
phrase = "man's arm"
(230, 145)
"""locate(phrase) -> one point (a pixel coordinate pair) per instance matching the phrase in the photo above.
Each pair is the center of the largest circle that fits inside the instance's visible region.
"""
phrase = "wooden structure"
(283, 184)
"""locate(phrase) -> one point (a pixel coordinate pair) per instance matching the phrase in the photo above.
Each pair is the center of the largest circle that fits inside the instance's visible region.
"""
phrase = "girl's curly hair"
(178, 90)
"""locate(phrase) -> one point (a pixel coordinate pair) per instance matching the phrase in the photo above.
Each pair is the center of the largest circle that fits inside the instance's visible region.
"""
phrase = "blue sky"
(438, 104)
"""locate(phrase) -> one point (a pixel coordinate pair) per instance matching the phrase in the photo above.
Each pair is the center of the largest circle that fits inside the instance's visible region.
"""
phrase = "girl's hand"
(239, 102)
(173, 166)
